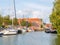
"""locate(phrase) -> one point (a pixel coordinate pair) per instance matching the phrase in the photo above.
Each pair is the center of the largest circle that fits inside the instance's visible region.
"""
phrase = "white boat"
(9, 32)
(23, 30)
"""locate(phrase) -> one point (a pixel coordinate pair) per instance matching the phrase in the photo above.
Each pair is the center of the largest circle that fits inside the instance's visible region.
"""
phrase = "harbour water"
(30, 38)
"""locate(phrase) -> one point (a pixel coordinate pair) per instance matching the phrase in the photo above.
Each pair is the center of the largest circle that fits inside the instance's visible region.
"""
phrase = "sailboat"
(10, 31)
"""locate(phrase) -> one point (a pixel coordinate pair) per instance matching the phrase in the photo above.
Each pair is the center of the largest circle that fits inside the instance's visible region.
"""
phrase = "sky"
(28, 8)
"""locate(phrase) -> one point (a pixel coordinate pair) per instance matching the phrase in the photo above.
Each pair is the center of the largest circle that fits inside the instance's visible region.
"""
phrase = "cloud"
(44, 10)
(30, 14)
(37, 14)
(46, 0)
(0, 10)
(7, 11)
(37, 6)
(31, 9)
(22, 13)
(33, 14)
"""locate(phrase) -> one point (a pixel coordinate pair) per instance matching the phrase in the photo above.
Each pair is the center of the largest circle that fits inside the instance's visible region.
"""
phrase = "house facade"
(36, 22)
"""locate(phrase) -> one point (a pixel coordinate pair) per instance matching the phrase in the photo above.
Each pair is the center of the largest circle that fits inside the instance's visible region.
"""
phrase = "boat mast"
(14, 12)
(14, 8)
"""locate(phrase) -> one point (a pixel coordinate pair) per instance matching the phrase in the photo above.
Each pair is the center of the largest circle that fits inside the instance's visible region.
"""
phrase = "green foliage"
(55, 16)
(7, 20)
(25, 23)
(1, 20)
(28, 24)
(15, 21)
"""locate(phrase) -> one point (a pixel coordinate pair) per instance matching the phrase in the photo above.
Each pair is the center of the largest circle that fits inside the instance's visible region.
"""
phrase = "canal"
(31, 38)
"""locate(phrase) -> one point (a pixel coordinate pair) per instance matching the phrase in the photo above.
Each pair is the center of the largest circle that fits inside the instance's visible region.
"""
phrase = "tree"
(28, 24)
(7, 20)
(15, 21)
(55, 16)
(25, 23)
(1, 20)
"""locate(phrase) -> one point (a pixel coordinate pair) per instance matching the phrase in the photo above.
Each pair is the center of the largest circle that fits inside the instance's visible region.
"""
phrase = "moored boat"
(1, 34)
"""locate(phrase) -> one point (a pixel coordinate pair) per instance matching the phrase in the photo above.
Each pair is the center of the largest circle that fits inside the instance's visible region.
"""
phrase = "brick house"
(36, 22)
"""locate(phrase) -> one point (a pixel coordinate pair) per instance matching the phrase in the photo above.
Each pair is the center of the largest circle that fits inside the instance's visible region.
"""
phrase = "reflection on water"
(31, 38)
(57, 40)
